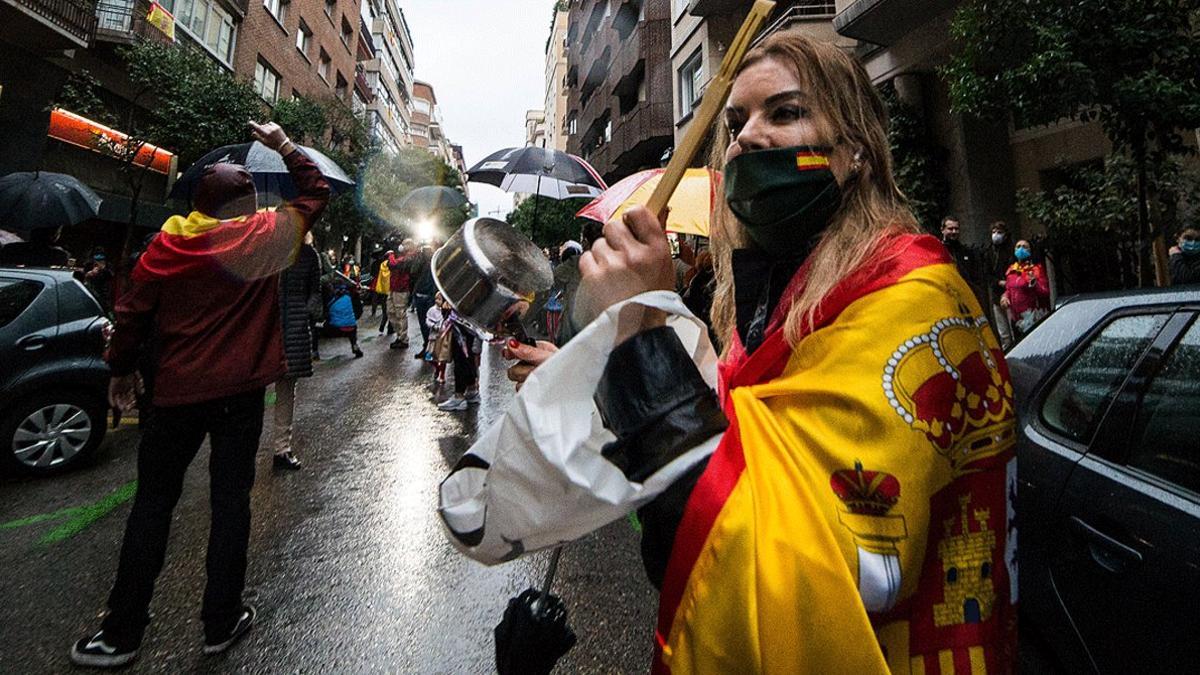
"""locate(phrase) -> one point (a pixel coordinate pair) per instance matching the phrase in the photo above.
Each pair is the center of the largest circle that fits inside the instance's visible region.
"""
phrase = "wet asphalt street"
(349, 568)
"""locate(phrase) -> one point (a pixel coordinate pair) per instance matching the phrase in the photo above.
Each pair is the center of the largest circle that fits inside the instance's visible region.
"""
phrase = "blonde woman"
(856, 513)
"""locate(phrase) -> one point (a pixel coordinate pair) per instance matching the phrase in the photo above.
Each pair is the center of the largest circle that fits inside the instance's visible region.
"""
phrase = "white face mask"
(997, 238)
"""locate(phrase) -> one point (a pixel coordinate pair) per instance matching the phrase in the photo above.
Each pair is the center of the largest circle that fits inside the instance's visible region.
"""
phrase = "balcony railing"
(125, 21)
(77, 18)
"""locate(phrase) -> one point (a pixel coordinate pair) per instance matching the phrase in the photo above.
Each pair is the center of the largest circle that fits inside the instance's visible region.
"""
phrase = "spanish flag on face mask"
(858, 515)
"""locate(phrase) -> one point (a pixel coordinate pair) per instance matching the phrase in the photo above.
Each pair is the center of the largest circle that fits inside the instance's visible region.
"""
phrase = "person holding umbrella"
(207, 289)
(842, 501)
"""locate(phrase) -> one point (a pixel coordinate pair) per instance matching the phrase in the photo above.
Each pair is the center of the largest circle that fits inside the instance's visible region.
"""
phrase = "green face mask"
(784, 196)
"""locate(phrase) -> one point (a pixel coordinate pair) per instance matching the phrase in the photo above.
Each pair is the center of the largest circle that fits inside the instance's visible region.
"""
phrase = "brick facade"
(261, 35)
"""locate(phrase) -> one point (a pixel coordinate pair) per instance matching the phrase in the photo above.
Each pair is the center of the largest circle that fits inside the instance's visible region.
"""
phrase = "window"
(1164, 442)
(15, 296)
(690, 78)
(303, 38)
(347, 32)
(1083, 392)
(266, 81)
(206, 22)
(422, 106)
(330, 8)
(323, 66)
(341, 88)
(278, 9)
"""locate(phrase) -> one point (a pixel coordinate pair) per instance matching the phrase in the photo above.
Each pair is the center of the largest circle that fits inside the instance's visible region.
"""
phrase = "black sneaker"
(96, 652)
(244, 622)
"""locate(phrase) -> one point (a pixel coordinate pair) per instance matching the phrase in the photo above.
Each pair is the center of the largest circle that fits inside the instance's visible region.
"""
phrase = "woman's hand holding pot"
(632, 258)
(528, 358)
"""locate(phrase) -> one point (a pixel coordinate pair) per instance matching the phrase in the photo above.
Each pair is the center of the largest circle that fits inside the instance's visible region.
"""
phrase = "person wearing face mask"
(843, 500)
(1185, 258)
(1026, 291)
(998, 259)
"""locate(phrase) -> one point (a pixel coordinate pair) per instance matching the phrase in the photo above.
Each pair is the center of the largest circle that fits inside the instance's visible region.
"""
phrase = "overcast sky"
(486, 62)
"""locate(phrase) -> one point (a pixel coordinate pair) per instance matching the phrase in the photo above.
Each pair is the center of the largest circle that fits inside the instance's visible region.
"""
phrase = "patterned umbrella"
(540, 171)
(33, 200)
(270, 173)
(689, 209)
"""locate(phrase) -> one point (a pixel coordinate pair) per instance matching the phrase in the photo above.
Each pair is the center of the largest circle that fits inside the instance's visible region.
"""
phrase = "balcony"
(361, 85)
(48, 25)
(125, 22)
(883, 22)
(640, 137)
(366, 43)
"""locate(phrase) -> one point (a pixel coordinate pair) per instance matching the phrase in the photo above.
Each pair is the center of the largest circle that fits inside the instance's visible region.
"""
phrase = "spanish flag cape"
(857, 516)
(246, 248)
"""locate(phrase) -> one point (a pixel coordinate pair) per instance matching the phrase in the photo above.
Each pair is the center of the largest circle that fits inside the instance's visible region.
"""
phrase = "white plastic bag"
(537, 478)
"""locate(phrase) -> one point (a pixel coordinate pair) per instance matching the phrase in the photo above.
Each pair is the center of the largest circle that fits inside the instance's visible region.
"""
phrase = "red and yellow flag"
(856, 517)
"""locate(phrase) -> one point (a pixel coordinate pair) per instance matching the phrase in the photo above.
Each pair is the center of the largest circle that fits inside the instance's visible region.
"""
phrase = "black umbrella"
(533, 635)
(270, 173)
(540, 171)
(40, 199)
(432, 198)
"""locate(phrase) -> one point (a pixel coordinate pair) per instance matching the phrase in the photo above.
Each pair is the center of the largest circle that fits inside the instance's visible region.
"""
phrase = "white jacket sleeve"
(537, 477)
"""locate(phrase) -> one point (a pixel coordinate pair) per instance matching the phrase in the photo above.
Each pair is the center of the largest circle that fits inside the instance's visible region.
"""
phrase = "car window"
(1082, 393)
(1166, 441)
(15, 296)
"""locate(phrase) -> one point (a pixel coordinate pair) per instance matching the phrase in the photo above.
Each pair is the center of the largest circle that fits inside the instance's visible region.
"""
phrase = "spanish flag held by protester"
(879, 535)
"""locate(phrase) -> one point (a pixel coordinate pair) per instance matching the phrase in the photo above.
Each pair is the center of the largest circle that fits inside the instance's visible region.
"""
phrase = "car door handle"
(32, 342)
(1107, 552)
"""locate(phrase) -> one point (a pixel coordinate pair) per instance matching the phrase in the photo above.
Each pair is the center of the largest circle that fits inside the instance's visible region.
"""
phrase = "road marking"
(79, 517)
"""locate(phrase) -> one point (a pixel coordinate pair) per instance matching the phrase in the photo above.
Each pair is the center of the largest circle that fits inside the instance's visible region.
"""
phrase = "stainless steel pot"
(485, 269)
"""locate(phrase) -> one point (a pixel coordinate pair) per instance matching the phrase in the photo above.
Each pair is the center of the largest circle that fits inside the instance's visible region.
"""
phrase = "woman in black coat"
(299, 290)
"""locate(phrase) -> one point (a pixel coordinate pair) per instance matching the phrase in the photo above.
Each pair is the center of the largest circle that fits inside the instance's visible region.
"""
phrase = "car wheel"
(50, 433)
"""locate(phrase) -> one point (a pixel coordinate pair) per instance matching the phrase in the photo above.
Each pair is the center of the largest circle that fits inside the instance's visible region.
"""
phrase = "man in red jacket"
(400, 263)
(207, 290)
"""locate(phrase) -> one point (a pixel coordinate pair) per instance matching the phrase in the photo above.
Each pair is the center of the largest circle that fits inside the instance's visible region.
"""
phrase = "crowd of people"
(856, 451)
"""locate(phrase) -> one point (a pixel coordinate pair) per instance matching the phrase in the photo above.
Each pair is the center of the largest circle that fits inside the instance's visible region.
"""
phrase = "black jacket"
(1185, 269)
(297, 284)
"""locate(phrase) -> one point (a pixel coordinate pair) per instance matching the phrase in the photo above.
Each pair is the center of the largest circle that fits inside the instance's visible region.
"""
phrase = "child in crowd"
(439, 335)
(345, 307)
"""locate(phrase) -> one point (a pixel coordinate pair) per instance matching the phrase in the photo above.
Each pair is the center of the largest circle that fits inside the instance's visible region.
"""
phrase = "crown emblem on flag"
(950, 385)
(871, 493)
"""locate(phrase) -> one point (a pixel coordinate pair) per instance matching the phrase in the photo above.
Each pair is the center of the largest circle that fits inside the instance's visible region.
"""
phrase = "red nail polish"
(513, 344)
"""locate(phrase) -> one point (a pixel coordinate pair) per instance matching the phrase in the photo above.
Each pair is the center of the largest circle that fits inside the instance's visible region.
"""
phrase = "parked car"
(53, 379)
(1108, 454)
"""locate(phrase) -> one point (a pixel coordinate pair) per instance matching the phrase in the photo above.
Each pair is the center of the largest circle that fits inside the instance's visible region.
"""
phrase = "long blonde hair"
(873, 207)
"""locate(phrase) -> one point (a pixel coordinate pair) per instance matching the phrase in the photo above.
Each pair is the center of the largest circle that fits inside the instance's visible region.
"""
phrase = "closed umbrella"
(432, 198)
(32, 200)
(270, 173)
(689, 209)
(540, 171)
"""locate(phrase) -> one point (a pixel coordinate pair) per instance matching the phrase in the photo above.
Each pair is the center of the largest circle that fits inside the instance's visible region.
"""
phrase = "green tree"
(191, 104)
(1129, 64)
(553, 223)
(389, 177)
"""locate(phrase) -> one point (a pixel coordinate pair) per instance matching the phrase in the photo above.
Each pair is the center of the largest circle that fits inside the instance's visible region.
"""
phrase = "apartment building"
(556, 80)
(388, 73)
(619, 84)
(701, 30)
(904, 42)
(535, 129)
(290, 48)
